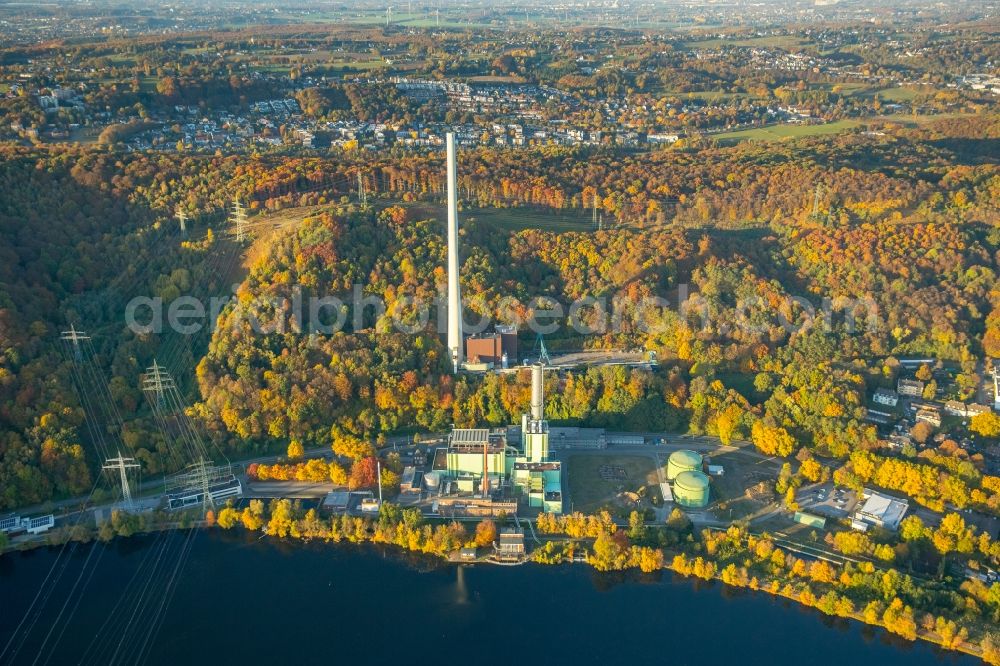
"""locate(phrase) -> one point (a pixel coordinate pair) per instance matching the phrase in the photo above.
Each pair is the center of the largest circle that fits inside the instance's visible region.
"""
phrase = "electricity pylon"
(817, 193)
(158, 381)
(200, 472)
(239, 219)
(182, 218)
(75, 337)
(122, 465)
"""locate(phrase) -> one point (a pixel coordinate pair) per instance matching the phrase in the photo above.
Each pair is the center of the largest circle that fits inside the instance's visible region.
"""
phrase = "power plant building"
(507, 462)
(473, 453)
(490, 466)
(498, 348)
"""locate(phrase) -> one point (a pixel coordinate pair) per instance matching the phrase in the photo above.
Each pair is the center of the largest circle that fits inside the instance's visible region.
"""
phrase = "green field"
(414, 20)
(898, 94)
(782, 132)
(779, 41)
(851, 88)
(706, 95)
(588, 491)
(516, 219)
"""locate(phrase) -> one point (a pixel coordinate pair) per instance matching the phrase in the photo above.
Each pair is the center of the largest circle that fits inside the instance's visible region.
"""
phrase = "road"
(154, 487)
(284, 489)
(984, 393)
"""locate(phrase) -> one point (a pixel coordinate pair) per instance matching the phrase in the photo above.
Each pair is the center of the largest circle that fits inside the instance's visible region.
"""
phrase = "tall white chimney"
(454, 290)
(537, 392)
(996, 385)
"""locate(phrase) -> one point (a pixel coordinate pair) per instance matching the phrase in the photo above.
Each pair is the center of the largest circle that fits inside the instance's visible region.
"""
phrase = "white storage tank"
(432, 480)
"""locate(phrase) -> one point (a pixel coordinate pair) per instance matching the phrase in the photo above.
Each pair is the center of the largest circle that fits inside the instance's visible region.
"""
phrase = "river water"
(241, 600)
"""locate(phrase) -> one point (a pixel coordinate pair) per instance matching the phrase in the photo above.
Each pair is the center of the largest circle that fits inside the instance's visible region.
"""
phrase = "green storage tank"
(691, 489)
(683, 461)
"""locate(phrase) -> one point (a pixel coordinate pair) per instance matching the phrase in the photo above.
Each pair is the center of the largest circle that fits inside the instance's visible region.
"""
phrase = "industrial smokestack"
(996, 387)
(537, 392)
(486, 469)
(454, 291)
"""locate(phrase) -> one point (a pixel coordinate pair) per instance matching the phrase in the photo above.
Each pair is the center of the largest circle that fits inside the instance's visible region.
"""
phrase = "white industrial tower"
(996, 386)
(454, 291)
(538, 392)
(534, 427)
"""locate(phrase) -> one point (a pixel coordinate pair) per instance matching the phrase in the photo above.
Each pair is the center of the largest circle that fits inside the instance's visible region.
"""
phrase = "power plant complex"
(491, 471)
(494, 468)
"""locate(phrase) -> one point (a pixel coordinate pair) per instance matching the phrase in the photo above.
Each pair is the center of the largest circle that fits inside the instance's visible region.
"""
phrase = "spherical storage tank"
(682, 461)
(691, 489)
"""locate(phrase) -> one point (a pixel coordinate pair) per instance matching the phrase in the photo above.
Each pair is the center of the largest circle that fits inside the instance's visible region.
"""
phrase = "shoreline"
(551, 549)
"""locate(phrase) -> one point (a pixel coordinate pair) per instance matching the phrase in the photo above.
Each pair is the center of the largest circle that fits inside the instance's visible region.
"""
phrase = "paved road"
(153, 487)
(284, 489)
(985, 396)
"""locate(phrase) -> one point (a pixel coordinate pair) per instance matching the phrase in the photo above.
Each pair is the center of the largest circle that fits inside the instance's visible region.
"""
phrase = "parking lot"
(826, 500)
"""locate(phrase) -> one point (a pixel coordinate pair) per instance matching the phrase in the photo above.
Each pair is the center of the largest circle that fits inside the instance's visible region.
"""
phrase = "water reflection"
(461, 590)
(445, 611)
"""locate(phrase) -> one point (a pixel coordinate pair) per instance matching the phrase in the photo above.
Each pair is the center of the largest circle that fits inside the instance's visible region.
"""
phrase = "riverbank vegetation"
(957, 619)
(957, 616)
(405, 528)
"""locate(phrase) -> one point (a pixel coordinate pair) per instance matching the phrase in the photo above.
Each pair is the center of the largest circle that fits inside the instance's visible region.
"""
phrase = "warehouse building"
(497, 349)
(573, 437)
(880, 510)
